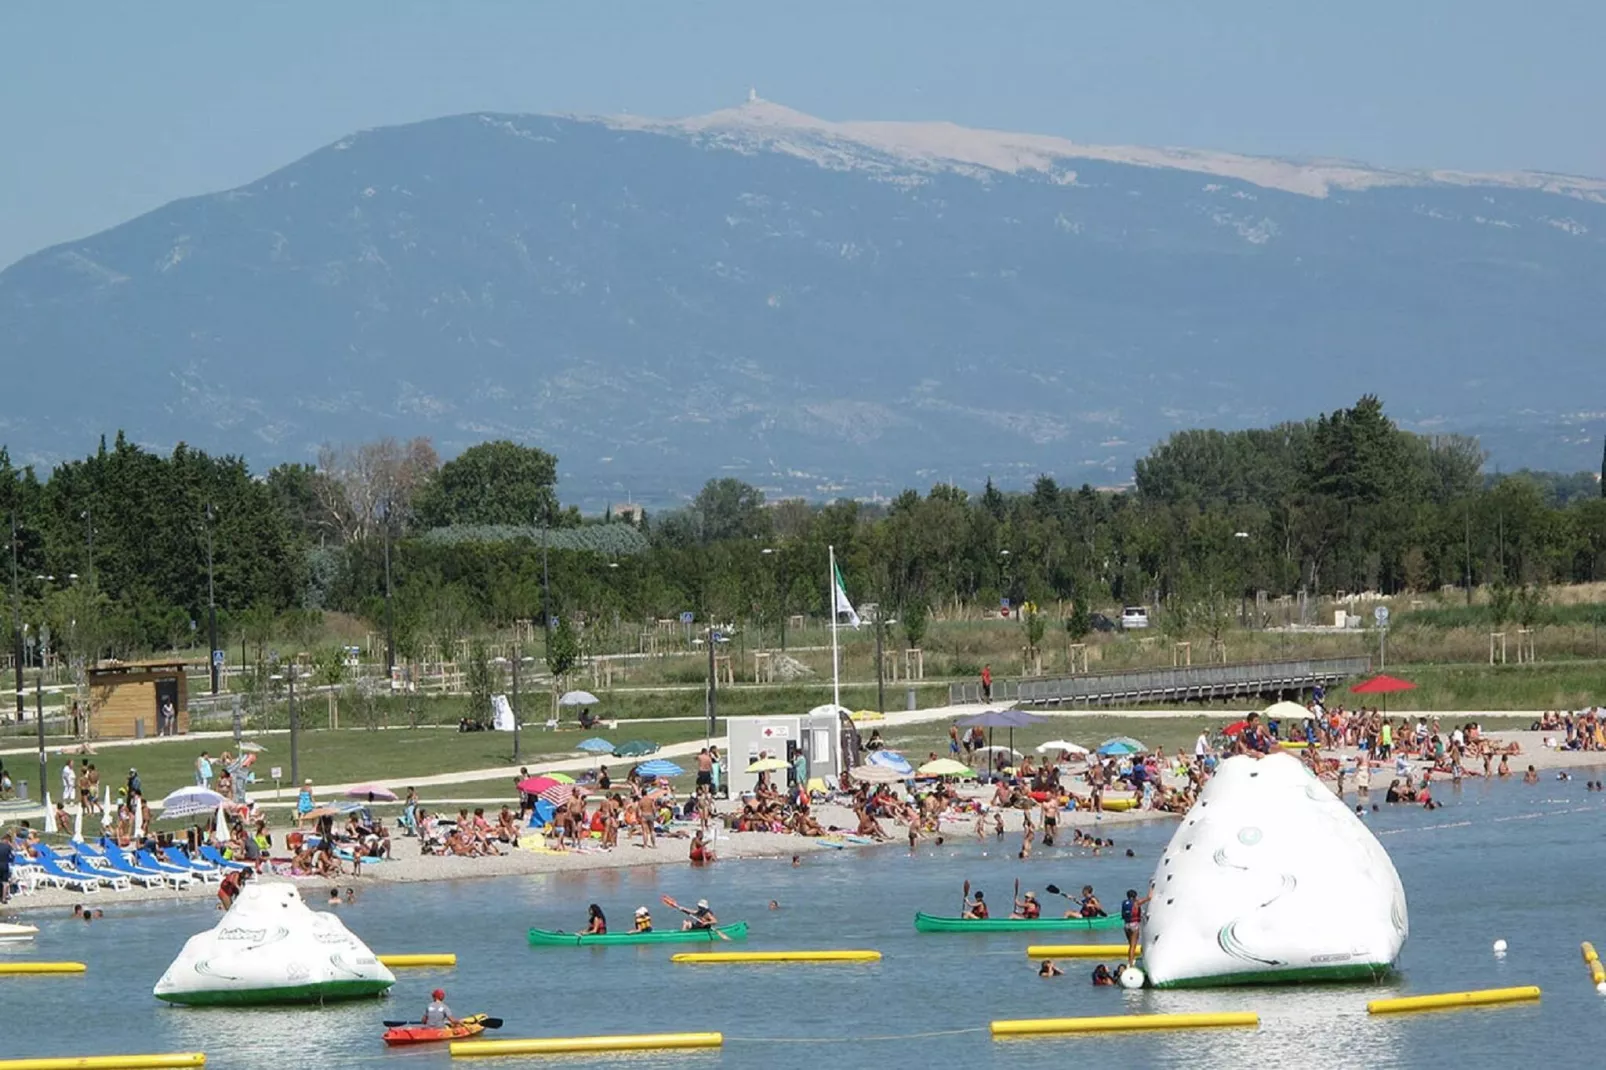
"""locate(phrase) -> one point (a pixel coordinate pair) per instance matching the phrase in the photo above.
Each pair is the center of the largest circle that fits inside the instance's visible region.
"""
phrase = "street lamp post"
(295, 723)
(516, 656)
(214, 652)
(390, 622)
(16, 611)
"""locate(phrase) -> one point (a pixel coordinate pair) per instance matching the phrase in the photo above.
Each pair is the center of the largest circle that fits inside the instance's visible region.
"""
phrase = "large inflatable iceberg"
(1271, 880)
(270, 948)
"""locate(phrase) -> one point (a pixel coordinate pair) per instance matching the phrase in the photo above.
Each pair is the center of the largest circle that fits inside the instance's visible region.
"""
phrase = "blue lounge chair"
(181, 860)
(214, 856)
(51, 872)
(116, 860)
(145, 860)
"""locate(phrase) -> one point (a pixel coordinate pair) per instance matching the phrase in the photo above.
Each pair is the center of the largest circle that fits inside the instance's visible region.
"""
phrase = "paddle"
(1017, 893)
(668, 902)
(489, 1023)
(964, 899)
(1053, 889)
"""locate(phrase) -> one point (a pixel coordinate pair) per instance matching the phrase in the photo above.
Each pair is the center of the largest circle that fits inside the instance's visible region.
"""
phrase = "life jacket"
(1130, 911)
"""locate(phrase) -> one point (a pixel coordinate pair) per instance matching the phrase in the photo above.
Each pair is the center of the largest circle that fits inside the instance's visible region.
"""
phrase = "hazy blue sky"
(110, 109)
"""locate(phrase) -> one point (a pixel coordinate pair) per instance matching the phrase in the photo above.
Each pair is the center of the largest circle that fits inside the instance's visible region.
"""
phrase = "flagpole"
(836, 680)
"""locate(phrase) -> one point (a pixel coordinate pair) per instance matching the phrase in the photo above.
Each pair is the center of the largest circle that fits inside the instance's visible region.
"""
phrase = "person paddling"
(698, 918)
(976, 908)
(1132, 922)
(1028, 908)
(438, 1015)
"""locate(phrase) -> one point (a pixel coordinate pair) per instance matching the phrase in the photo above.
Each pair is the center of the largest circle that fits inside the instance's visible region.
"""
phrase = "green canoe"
(549, 938)
(930, 923)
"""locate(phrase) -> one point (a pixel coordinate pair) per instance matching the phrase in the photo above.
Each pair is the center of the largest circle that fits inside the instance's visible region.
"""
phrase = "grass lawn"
(1565, 685)
(345, 755)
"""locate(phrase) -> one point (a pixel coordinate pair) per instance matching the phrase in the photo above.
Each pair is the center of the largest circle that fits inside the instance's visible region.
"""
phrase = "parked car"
(1134, 617)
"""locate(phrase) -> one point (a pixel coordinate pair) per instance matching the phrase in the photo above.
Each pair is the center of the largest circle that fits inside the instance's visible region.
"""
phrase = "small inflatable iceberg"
(270, 948)
(1271, 879)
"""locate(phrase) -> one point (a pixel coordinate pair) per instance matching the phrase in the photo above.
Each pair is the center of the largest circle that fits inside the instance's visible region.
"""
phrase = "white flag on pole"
(840, 606)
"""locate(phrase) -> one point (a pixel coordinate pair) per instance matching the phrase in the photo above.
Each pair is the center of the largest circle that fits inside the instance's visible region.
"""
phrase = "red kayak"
(419, 1034)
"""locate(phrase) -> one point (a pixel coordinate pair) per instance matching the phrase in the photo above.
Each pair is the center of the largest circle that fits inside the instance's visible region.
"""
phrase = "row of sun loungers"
(90, 867)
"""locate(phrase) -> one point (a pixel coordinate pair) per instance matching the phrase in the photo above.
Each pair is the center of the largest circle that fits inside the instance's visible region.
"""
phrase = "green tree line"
(112, 550)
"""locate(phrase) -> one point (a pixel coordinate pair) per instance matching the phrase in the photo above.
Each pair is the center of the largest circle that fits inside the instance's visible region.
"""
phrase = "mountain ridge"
(818, 307)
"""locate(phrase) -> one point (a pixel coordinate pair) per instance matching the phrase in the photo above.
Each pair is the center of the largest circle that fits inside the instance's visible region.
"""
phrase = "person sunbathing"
(804, 824)
(507, 827)
(868, 826)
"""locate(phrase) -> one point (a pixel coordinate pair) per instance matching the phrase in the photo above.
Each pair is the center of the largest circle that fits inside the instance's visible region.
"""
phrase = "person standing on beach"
(7, 854)
(705, 770)
(203, 770)
(69, 783)
(986, 683)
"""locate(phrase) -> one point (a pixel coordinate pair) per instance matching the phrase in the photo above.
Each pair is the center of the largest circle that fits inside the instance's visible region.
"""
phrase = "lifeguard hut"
(135, 699)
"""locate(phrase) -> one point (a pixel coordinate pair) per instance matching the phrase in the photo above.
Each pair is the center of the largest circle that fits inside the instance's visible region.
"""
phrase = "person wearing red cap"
(438, 1015)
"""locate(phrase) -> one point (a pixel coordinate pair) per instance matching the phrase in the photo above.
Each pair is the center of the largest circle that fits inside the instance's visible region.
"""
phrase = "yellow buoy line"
(1440, 1001)
(1597, 973)
(170, 1061)
(1120, 1023)
(23, 968)
(465, 1049)
(731, 957)
(1108, 952)
(398, 961)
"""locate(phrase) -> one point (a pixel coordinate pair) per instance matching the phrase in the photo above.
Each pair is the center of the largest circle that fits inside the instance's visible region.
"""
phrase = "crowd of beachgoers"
(1060, 797)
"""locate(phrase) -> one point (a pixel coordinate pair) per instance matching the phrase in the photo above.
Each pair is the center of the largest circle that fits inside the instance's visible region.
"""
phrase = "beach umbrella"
(1235, 728)
(859, 716)
(1285, 710)
(558, 794)
(1118, 747)
(50, 814)
(635, 748)
(561, 778)
(190, 801)
(535, 785)
(138, 807)
(766, 765)
(594, 745)
(663, 767)
(221, 828)
(874, 774)
(252, 747)
(106, 814)
(946, 767)
(371, 792)
(1012, 752)
(325, 810)
(1060, 746)
(1382, 685)
(578, 698)
(891, 759)
(831, 709)
(78, 825)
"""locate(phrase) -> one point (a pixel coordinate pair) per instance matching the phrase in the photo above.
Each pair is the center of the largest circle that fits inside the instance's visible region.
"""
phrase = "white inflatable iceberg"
(270, 948)
(1271, 879)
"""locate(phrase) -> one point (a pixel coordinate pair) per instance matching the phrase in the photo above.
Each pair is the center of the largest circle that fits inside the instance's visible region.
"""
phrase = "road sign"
(687, 617)
(276, 773)
(1381, 615)
(217, 658)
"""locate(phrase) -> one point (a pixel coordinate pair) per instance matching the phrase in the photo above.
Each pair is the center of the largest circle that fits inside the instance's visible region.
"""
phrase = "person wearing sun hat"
(643, 920)
(1027, 907)
(304, 802)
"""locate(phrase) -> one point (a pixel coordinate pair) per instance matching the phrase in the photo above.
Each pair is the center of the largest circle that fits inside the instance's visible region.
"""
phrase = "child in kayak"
(643, 920)
(975, 908)
(438, 1015)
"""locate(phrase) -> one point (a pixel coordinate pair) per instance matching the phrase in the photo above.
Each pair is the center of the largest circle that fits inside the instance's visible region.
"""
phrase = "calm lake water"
(1499, 861)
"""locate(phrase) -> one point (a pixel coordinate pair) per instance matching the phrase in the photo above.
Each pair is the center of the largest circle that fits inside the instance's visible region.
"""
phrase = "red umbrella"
(535, 785)
(1382, 685)
(557, 794)
(1234, 728)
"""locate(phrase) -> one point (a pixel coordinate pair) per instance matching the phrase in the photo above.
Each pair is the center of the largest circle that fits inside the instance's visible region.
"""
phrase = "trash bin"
(22, 791)
(139, 728)
(910, 700)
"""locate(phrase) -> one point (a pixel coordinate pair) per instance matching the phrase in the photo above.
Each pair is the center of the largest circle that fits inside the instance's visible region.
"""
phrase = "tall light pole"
(214, 653)
(390, 620)
(89, 531)
(16, 611)
(516, 657)
(546, 596)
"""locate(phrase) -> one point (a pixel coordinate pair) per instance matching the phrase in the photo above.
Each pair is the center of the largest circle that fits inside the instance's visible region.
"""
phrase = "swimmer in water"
(1048, 969)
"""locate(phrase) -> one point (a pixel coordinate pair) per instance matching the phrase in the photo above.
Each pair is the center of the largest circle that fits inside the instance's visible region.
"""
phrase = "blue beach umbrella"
(595, 745)
(1117, 747)
(659, 767)
(891, 759)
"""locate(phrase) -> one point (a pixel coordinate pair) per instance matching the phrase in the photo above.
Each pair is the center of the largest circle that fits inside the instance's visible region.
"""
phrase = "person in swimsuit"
(596, 922)
(643, 920)
(975, 908)
(1028, 907)
(1102, 977)
(700, 918)
(700, 852)
(1132, 922)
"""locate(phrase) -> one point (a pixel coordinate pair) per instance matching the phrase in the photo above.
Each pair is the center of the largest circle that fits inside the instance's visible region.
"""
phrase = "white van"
(1134, 617)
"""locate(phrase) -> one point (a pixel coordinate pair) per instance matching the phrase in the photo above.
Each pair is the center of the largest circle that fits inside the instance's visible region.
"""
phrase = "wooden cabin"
(127, 699)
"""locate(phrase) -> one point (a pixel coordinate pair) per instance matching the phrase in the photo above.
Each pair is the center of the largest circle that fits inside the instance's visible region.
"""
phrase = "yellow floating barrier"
(398, 961)
(466, 1049)
(1486, 997)
(41, 967)
(1120, 1023)
(1109, 952)
(1589, 952)
(725, 957)
(110, 1062)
